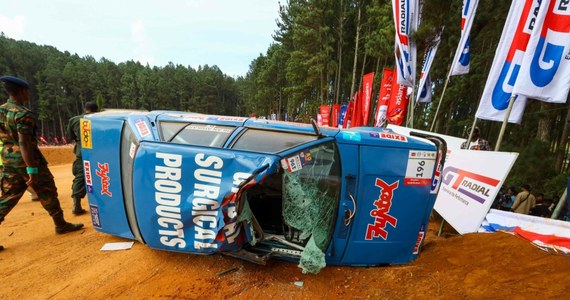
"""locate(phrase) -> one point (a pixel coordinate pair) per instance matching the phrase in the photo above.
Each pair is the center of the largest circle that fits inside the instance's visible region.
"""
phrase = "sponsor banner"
(470, 182)
(460, 64)
(424, 95)
(86, 134)
(547, 234)
(342, 115)
(335, 115)
(398, 104)
(367, 81)
(384, 97)
(325, 114)
(506, 64)
(405, 14)
(356, 116)
(545, 69)
(348, 115)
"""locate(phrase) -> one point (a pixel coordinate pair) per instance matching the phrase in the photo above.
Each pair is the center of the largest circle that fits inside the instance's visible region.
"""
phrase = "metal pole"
(561, 203)
(471, 134)
(411, 107)
(440, 98)
(505, 122)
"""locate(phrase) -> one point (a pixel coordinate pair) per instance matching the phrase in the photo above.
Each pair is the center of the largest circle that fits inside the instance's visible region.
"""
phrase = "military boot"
(1, 247)
(62, 226)
(77, 209)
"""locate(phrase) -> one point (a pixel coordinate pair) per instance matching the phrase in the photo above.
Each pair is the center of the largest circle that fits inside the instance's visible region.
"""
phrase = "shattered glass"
(310, 197)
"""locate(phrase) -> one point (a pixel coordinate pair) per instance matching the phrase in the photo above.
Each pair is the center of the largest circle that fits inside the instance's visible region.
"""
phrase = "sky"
(226, 33)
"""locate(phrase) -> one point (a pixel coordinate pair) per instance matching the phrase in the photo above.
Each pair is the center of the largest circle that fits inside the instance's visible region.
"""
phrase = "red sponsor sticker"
(87, 168)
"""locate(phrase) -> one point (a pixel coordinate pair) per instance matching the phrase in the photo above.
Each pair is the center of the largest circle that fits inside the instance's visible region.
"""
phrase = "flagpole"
(505, 122)
(440, 99)
(411, 111)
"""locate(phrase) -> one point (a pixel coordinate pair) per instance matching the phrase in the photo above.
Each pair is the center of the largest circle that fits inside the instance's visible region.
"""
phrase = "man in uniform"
(24, 164)
(78, 191)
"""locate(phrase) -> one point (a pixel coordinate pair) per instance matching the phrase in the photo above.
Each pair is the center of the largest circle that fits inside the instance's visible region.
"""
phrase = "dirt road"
(38, 264)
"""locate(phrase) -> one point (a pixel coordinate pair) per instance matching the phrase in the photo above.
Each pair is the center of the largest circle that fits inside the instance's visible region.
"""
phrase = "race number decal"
(420, 168)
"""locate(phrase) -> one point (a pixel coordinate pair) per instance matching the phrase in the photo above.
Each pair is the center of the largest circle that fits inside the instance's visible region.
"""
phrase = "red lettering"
(102, 172)
(381, 213)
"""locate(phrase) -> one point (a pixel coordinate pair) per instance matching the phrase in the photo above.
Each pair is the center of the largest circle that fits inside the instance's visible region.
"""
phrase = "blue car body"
(256, 189)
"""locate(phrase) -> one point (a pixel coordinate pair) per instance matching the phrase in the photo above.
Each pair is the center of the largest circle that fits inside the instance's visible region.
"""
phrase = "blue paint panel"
(183, 196)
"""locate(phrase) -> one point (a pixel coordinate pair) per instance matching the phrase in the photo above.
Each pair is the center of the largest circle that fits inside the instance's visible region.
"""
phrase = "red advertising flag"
(335, 115)
(398, 104)
(348, 115)
(325, 113)
(384, 97)
(367, 81)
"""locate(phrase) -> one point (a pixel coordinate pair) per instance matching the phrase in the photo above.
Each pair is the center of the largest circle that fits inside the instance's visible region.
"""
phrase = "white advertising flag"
(545, 70)
(505, 68)
(460, 64)
(406, 21)
(424, 87)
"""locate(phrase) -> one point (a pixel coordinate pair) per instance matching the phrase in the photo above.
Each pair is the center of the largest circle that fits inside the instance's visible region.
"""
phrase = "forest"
(320, 51)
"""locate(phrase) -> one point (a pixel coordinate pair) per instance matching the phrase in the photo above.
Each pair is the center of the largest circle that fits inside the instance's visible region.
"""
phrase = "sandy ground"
(38, 264)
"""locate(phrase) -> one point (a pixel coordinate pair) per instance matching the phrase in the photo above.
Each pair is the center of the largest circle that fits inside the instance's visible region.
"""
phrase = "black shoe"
(68, 227)
(78, 212)
(1, 247)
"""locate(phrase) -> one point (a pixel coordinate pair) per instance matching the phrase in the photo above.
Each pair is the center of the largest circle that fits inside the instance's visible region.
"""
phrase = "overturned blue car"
(257, 189)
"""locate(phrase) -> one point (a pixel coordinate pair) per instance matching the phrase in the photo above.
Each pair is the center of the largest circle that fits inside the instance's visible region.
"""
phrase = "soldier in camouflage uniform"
(24, 164)
(78, 191)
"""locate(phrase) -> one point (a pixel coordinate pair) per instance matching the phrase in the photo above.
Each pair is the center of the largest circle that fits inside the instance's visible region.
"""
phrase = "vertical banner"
(424, 87)
(405, 14)
(335, 115)
(384, 97)
(545, 70)
(460, 64)
(325, 113)
(348, 115)
(367, 81)
(398, 104)
(506, 64)
(342, 115)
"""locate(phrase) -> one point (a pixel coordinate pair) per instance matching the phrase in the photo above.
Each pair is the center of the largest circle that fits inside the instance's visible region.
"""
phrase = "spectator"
(477, 143)
(541, 209)
(508, 199)
(524, 201)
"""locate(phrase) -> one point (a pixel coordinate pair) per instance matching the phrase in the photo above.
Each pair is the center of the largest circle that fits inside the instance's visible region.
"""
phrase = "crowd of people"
(521, 200)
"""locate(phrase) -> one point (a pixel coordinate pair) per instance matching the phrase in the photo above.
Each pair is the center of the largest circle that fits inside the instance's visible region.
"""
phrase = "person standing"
(24, 165)
(508, 199)
(78, 190)
(524, 201)
(477, 143)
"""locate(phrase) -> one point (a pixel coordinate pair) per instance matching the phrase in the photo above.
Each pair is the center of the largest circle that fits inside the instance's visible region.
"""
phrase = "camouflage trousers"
(14, 186)
(78, 186)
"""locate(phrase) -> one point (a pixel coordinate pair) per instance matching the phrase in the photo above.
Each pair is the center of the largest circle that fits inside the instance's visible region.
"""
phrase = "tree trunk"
(543, 130)
(563, 141)
(355, 52)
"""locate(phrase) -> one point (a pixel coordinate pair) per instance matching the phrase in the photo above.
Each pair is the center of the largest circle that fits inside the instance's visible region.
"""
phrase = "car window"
(267, 141)
(196, 134)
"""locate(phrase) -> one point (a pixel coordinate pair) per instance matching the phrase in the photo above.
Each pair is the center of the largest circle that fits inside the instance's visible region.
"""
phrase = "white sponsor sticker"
(419, 169)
